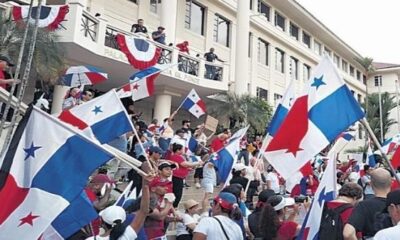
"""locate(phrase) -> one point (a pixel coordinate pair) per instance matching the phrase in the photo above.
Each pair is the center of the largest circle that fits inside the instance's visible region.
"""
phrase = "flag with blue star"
(31, 179)
(103, 118)
(318, 82)
(326, 192)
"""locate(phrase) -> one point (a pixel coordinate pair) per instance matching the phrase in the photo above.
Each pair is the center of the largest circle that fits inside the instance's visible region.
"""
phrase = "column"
(242, 42)
(58, 98)
(162, 108)
(168, 19)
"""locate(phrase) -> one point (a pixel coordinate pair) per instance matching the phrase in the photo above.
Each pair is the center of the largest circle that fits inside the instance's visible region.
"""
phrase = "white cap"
(112, 214)
(284, 203)
(239, 167)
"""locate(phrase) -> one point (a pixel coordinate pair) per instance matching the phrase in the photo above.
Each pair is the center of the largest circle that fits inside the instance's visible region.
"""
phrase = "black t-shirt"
(254, 223)
(210, 57)
(363, 215)
(136, 28)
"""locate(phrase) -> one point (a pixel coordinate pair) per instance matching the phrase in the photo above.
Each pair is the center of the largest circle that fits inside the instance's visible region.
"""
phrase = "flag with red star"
(139, 89)
(317, 117)
(43, 172)
(194, 104)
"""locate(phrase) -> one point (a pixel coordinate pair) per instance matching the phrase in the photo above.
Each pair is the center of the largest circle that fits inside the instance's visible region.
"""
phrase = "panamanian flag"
(103, 118)
(194, 104)
(316, 118)
(44, 170)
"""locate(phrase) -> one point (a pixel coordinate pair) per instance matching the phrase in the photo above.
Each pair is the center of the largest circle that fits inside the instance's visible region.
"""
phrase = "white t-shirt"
(186, 220)
(129, 234)
(391, 233)
(212, 229)
(273, 177)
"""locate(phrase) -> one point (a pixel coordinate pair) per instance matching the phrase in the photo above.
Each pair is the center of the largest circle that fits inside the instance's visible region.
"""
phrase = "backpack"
(331, 222)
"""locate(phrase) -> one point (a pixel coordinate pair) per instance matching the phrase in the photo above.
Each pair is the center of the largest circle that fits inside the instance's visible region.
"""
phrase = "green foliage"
(241, 110)
(366, 63)
(388, 103)
(49, 56)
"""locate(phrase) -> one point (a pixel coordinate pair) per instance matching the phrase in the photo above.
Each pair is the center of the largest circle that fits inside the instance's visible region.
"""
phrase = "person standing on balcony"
(139, 27)
(159, 35)
(183, 47)
(182, 61)
(211, 70)
(5, 63)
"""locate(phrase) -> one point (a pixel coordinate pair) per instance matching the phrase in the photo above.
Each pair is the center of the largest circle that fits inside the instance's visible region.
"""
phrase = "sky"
(371, 27)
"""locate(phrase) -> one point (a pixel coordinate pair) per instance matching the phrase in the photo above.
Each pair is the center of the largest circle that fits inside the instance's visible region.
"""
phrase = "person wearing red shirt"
(183, 47)
(5, 62)
(220, 141)
(180, 173)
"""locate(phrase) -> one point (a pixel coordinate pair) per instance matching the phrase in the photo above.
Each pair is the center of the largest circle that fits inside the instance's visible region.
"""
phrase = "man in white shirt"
(393, 207)
(220, 226)
(272, 180)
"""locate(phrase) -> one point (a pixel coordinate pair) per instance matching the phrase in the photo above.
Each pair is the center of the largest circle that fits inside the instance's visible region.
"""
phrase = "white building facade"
(264, 43)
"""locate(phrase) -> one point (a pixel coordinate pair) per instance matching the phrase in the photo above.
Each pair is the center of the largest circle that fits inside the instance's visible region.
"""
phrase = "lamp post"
(379, 79)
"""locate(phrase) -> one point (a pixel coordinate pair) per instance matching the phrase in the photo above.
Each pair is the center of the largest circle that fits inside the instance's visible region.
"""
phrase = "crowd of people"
(253, 204)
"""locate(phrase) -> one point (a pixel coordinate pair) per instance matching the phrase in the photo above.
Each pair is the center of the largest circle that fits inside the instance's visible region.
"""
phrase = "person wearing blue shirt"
(159, 35)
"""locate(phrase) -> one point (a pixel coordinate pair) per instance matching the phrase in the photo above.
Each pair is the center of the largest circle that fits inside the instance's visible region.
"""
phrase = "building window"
(359, 98)
(279, 60)
(251, 4)
(262, 55)
(280, 21)
(194, 17)
(317, 48)
(134, 1)
(351, 71)
(345, 66)
(307, 39)
(155, 5)
(365, 80)
(294, 31)
(336, 60)
(306, 72)
(294, 68)
(250, 44)
(221, 30)
(264, 9)
(262, 93)
(358, 75)
(328, 52)
(378, 81)
(277, 98)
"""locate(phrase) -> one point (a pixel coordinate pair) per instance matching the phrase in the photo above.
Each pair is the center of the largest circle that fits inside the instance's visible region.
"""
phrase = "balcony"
(91, 41)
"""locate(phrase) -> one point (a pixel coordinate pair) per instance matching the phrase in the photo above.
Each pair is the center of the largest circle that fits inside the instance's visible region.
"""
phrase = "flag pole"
(378, 145)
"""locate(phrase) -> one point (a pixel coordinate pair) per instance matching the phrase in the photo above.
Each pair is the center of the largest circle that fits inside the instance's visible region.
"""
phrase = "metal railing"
(188, 64)
(89, 26)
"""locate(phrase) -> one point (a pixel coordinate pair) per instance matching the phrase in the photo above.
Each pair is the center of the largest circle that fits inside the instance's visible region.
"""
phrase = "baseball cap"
(164, 164)
(190, 203)
(226, 200)
(279, 202)
(112, 214)
(264, 195)
(6, 59)
(155, 149)
(239, 167)
(393, 198)
(102, 178)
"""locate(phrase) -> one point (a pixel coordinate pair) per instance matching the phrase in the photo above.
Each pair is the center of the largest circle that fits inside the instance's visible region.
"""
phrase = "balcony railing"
(89, 26)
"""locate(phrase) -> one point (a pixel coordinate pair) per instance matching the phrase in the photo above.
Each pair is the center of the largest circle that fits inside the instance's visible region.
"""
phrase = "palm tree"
(240, 110)
(388, 103)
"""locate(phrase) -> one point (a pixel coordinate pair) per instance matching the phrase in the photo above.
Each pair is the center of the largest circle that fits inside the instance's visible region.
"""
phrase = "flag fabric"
(371, 157)
(194, 104)
(239, 134)
(282, 109)
(125, 195)
(43, 174)
(396, 159)
(141, 53)
(224, 159)
(150, 71)
(77, 215)
(103, 118)
(343, 139)
(326, 192)
(315, 120)
(84, 75)
(191, 145)
(390, 145)
(50, 16)
(140, 89)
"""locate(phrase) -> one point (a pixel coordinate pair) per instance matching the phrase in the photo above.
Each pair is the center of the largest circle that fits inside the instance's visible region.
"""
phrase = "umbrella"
(83, 75)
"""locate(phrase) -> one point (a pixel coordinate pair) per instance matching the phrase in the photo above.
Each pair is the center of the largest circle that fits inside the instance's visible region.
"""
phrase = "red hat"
(102, 178)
